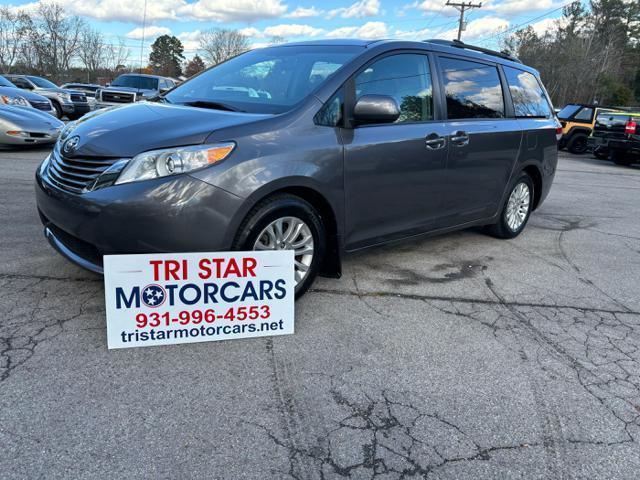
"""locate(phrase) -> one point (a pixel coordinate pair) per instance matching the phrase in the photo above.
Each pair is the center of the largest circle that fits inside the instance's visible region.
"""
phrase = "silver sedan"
(27, 126)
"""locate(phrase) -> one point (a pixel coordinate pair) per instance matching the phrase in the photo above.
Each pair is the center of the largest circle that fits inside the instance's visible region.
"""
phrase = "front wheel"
(58, 109)
(601, 153)
(516, 210)
(286, 222)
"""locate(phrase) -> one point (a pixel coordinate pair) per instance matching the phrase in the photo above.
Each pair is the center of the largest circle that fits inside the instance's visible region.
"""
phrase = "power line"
(527, 22)
(461, 7)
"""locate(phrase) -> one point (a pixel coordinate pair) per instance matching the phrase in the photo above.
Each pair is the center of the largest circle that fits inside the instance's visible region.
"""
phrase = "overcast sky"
(307, 19)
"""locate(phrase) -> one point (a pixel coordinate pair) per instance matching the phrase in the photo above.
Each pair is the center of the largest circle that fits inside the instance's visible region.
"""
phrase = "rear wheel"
(578, 143)
(516, 210)
(286, 222)
(620, 157)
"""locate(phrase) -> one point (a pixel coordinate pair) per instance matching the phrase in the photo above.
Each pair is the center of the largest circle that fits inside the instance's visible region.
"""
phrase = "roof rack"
(460, 44)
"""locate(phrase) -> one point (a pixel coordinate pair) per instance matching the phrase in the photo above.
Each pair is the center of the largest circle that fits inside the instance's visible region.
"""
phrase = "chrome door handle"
(460, 138)
(435, 141)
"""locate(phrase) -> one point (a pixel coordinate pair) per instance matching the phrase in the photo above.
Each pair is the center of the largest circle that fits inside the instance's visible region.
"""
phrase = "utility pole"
(144, 24)
(461, 7)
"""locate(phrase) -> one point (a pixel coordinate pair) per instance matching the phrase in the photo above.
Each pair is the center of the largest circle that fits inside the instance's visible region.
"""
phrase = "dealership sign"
(160, 299)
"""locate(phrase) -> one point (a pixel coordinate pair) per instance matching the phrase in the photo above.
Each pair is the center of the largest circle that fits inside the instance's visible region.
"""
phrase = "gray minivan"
(322, 147)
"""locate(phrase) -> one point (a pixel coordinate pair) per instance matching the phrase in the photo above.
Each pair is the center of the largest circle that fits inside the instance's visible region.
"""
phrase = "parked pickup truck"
(130, 87)
(67, 103)
(618, 135)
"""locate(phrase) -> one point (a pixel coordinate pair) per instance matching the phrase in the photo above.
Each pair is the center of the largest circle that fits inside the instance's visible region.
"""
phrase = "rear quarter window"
(529, 99)
(586, 114)
(473, 90)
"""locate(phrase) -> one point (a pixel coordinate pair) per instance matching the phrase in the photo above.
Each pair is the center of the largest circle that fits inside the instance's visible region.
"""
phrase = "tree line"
(590, 55)
(49, 42)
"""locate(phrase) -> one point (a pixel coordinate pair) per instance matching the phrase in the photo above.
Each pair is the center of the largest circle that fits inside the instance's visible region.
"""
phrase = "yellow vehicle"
(577, 121)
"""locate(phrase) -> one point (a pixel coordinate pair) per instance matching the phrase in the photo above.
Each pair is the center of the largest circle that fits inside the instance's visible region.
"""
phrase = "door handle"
(435, 141)
(460, 138)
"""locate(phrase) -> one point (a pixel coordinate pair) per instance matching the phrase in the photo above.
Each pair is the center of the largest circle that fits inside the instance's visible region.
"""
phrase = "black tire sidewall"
(508, 233)
(58, 109)
(278, 207)
(578, 137)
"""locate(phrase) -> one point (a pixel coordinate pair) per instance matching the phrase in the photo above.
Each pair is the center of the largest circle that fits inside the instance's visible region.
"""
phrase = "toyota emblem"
(71, 144)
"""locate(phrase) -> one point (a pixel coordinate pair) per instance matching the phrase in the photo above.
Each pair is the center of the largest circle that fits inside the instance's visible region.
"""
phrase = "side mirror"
(375, 109)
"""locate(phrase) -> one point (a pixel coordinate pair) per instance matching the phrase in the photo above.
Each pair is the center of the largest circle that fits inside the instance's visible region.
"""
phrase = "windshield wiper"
(212, 105)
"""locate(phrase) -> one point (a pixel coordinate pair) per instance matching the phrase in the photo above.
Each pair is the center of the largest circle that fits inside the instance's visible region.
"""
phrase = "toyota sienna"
(321, 147)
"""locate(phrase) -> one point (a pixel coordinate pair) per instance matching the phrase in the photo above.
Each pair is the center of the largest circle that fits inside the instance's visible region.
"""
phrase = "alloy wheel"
(518, 206)
(289, 233)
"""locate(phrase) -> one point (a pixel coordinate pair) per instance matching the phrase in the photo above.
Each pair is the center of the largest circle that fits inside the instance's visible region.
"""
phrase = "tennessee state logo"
(153, 295)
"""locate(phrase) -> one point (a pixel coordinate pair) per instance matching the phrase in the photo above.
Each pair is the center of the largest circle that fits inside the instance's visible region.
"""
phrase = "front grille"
(76, 175)
(78, 97)
(46, 106)
(118, 97)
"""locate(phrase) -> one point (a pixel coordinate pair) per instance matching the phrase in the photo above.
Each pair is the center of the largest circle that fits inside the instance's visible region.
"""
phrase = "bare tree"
(117, 56)
(12, 35)
(92, 54)
(221, 44)
(55, 38)
(277, 40)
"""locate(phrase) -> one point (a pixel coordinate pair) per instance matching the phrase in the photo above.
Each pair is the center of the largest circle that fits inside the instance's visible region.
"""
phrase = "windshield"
(568, 110)
(269, 80)
(42, 82)
(5, 83)
(135, 81)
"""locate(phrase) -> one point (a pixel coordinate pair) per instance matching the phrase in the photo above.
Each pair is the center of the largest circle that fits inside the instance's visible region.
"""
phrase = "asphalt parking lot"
(453, 357)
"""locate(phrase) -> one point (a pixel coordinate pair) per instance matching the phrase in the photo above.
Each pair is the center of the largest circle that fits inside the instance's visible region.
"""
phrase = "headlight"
(7, 100)
(160, 163)
(66, 96)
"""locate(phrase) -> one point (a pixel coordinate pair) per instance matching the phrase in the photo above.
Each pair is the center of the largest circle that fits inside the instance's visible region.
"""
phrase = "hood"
(17, 92)
(138, 127)
(27, 116)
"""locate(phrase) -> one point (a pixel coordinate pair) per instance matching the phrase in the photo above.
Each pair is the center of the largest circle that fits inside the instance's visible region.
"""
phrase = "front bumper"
(67, 107)
(173, 214)
(34, 138)
(80, 109)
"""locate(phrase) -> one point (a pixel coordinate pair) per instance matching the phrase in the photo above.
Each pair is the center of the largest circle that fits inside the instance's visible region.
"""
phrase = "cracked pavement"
(453, 357)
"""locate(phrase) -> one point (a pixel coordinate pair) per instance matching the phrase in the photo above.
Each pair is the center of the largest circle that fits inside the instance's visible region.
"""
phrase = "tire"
(503, 228)
(58, 108)
(619, 157)
(286, 208)
(578, 144)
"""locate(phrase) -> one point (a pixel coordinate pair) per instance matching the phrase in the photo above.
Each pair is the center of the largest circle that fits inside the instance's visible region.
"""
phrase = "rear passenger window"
(473, 89)
(585, 114)
(529, 100)
(406, 78)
